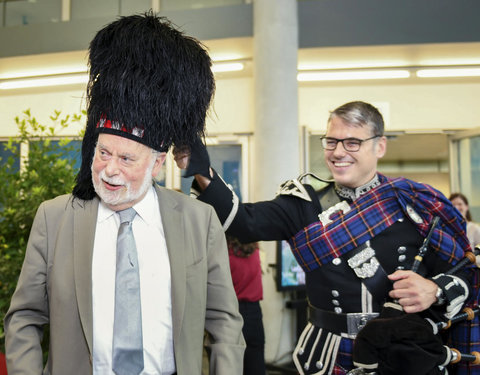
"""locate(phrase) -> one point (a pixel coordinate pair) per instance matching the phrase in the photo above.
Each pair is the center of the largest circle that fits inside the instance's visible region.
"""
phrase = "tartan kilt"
(465, 336)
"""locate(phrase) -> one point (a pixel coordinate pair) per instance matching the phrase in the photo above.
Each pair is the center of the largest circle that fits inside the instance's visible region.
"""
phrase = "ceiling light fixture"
(448, 72)
(230, 66)
(41, 72)
(71, 78)
(55, 80)
(352, 75)
(352, 65)
(81, 77)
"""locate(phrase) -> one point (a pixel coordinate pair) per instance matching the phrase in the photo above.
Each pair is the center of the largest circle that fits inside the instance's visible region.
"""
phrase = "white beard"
(125, 195)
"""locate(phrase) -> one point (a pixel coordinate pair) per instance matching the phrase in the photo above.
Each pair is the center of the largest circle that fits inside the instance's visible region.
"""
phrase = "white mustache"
(111, 180)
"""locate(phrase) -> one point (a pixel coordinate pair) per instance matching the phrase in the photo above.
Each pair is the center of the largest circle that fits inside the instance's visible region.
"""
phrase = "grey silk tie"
(127, 349)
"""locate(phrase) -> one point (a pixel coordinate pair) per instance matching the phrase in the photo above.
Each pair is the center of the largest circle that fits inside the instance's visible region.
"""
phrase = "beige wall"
(420, 106)
(42, 103)
(404, 106)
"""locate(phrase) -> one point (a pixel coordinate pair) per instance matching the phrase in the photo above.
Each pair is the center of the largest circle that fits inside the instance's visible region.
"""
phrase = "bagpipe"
(410, 344)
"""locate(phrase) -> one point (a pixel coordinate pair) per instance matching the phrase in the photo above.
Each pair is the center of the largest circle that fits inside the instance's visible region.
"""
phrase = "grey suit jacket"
(55, 288)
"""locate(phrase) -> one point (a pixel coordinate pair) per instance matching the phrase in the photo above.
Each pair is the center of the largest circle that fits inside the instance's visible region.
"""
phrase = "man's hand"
(181, 155)
(412, 291)
(195, 161)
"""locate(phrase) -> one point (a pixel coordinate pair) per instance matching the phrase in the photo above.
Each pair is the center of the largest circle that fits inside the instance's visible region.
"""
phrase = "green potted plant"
(46, 169)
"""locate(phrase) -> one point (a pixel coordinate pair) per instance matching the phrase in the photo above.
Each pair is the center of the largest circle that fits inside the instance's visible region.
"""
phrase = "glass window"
(32, 12)
(5, 153)
(466, 171)
(227, 161)
(70, 151)
(475, 178)
(74, 152)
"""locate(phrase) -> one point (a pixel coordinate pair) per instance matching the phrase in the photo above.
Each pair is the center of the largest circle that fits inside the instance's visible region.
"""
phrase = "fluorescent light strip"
(44, 81)
(353, 75)
(45, 72)
(70, 79)
(448, 72)
(220, 67)
(351, 65)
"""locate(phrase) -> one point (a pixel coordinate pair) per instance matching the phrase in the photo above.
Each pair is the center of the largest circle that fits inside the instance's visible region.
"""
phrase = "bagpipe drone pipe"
(397, 343)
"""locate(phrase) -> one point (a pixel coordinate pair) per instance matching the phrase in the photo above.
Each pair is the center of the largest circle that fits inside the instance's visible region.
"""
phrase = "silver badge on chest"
(365, 264)
(324, 217)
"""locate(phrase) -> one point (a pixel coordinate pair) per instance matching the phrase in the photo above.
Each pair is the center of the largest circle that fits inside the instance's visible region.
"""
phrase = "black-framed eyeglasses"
(349, 144)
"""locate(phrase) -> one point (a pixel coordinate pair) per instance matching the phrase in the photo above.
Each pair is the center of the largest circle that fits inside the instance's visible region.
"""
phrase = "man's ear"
(381, 147)
(159, 160)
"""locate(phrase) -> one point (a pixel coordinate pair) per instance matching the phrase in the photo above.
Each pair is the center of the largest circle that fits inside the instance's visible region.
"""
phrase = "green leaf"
(47, 173)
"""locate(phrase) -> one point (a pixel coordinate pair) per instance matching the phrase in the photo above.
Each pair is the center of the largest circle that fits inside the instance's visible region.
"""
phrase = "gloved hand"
(399, 344)
(194, 159)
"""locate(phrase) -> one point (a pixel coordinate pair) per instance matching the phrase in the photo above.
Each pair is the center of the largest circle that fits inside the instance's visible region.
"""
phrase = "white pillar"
(276, 142)
(276, 94)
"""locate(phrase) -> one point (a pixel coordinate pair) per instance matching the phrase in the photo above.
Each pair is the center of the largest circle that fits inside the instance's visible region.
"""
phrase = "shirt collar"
(352, 194)
(147, 208)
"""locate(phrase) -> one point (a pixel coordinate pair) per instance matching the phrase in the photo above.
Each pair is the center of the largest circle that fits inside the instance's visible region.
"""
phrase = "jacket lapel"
(85, 221)
(173, 226)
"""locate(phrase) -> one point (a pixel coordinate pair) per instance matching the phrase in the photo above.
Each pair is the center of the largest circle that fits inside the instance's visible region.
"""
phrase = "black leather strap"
(349, 324)
(336, 323)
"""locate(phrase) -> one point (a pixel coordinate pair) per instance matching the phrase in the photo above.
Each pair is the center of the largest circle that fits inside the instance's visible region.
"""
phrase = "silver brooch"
(414, 215)
(324, 217)
(364, 263)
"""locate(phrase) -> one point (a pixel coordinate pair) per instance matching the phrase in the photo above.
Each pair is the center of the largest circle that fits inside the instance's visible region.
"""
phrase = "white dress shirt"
(155, 288)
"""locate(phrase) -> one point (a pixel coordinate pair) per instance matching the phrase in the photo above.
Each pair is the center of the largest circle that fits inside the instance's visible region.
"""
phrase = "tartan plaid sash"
(375, 211)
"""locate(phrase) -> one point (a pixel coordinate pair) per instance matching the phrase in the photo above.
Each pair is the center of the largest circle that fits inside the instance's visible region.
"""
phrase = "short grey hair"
(360, 114)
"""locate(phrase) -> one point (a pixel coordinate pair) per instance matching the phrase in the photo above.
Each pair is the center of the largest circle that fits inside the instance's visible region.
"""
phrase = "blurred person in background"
(460, 202)
(247, 280)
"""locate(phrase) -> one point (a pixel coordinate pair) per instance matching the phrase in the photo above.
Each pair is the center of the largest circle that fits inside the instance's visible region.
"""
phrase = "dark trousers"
(254, 359)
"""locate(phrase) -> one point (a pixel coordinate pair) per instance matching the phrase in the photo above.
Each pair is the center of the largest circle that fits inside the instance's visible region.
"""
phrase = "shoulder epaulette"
(294, 188)
(310, 174)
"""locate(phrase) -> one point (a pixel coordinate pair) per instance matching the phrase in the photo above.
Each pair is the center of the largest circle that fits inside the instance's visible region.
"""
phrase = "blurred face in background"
(460, 205)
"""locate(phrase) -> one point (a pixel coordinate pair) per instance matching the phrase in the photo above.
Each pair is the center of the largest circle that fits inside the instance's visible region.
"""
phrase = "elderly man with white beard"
(129, 275)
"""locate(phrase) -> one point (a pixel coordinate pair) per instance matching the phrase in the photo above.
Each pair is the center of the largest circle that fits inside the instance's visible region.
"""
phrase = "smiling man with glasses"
(356, 239)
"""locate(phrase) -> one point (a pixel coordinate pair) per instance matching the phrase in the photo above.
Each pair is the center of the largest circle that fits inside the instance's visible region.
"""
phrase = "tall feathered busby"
(148, 82)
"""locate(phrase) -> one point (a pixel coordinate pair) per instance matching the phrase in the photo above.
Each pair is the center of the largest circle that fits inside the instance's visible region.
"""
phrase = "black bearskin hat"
(148, 82)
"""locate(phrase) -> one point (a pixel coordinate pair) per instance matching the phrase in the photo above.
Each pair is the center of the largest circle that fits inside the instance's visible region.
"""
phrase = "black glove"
(199, 162)
(400, 344)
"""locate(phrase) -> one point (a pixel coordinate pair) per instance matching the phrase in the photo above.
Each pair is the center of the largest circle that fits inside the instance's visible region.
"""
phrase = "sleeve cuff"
(455, 293)
(219, 195)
